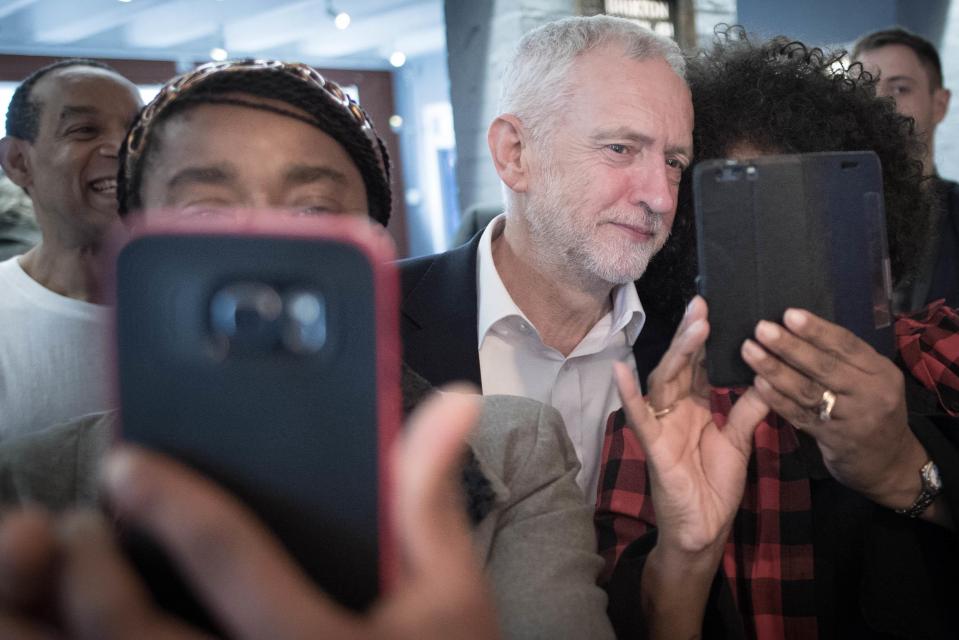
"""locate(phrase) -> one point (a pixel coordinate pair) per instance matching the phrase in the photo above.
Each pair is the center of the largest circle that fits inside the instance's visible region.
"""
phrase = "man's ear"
(507, 140)
(940, 104)
(14, 160)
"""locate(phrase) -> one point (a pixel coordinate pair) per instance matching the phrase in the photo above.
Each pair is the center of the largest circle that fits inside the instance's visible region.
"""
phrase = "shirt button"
(523, 327)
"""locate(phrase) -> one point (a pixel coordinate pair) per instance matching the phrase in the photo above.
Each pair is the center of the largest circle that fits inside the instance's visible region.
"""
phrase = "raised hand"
(697, 473)
(697, 469)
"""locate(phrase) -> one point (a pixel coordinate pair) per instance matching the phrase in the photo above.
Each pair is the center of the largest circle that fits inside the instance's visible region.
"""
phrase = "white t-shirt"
(514, 360)
(53, 354)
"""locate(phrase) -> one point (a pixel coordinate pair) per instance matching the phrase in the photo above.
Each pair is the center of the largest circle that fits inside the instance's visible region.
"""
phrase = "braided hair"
(367, 151)
(784, 97)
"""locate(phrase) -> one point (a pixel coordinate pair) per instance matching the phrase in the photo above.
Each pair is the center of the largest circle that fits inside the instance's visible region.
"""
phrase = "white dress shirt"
(514, 360)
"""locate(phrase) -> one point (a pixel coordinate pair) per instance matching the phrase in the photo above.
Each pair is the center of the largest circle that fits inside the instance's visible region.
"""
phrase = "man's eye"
(85, 130)
(676, 163)
(313, 211)
(618, 149)
(900, 91)
(205, 211)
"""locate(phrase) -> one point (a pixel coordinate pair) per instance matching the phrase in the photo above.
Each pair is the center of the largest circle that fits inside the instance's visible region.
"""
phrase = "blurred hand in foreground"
(66, 577)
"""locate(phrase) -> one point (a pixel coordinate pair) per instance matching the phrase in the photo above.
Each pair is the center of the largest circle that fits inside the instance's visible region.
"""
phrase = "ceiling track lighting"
(341, 19)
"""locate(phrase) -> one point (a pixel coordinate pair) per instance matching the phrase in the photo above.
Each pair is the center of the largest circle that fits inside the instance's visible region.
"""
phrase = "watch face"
(930, 476)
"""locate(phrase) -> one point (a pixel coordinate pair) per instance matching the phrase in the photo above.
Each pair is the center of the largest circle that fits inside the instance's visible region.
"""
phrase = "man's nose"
(110, 146)
(654, 186)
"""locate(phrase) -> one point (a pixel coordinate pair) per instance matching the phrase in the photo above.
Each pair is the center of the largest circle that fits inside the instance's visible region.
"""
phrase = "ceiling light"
(219, 54)
(396, 122)
(398, 59)
(125, 1)
(342, 20)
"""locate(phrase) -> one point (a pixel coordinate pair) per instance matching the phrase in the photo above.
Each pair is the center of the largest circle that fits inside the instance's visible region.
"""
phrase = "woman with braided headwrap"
(263, 134)
(823, 517)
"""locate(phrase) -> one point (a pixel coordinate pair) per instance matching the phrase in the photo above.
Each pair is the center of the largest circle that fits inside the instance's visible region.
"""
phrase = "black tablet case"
(804, 230)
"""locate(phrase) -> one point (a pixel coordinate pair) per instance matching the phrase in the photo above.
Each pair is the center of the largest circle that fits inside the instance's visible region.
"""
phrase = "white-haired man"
(594, 133)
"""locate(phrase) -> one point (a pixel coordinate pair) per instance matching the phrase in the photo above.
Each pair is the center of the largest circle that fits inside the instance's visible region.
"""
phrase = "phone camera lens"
(304, 327)
(246, 316)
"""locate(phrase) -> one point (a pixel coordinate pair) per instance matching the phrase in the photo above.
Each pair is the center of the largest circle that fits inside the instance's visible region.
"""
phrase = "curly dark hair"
(781, 96)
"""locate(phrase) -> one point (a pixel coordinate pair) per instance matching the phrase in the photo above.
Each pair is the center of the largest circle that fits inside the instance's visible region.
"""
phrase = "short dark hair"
(332, 116)
(785, 97)
(924, 50)
(23, 114)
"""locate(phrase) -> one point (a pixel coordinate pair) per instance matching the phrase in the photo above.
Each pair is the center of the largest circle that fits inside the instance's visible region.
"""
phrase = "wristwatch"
(931, 487)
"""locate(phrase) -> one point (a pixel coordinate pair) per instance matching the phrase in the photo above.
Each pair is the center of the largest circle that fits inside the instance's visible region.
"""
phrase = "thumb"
(638, 415)
(744, 417)
(430, 507)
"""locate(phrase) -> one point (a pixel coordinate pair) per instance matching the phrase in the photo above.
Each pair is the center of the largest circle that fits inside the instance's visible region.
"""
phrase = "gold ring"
(826, 405)
(659, 413)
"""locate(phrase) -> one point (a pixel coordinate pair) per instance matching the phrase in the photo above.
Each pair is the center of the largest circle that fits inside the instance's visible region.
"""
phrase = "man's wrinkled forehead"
(185, 122)
(74, 89)
(610, 81)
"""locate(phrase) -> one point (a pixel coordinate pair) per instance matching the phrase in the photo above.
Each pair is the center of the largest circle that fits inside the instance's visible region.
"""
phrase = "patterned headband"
(180, 85)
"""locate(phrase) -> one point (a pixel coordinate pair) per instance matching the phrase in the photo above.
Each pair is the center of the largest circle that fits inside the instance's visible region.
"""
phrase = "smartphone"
(801, 230)
(267, 357)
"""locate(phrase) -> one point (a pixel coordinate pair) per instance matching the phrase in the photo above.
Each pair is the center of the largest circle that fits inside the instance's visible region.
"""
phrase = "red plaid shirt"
(769, 551)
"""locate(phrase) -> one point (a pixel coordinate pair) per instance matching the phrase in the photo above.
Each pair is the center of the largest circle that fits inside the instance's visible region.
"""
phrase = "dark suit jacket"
(937, 273)
(944, 279)
(439, 319)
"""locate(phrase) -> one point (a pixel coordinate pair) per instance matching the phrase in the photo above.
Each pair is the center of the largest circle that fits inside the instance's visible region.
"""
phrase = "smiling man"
(594, 134)
(64, 126)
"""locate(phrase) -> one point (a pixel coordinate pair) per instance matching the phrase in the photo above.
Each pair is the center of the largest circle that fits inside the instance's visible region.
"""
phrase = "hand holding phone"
(267, 357)
(66, 573)
(793, 231)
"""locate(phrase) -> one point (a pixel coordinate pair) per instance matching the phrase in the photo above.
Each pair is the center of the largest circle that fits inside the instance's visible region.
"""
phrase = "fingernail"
(767, 330)
(695, 327)
(689, 306)
(794, 318)
(118, 470)
(752, 350)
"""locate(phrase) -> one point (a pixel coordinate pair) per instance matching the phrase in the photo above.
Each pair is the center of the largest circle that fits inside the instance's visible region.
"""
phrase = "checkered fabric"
(928, 343)
(768, 561)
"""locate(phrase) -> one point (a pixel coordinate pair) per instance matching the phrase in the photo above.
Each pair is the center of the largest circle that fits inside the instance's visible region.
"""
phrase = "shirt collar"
(628, 313)
(495, 303)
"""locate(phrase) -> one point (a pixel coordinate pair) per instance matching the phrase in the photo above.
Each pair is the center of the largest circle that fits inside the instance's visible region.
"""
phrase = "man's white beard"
(572, 248)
